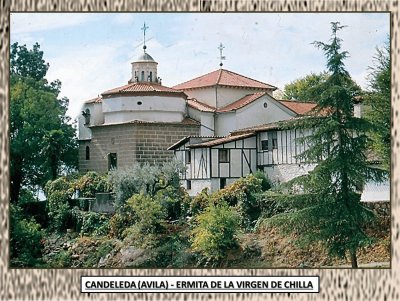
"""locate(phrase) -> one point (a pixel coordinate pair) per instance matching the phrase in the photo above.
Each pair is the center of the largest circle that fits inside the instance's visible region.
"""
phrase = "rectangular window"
(188, 157)
(223, 156)
(112, 161)
(222, 183)
(188, 184)
(273, 137)
(264, 145)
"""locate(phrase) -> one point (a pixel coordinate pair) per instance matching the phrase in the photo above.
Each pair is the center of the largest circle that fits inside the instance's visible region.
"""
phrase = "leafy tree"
(378, 103)
(328, 207)
(308, 88)
(42, 139)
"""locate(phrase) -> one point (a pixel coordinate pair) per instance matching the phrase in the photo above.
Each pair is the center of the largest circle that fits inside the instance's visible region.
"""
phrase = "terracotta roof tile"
(141, 87)
(185, 121)
(194, 103)
(195, 139)
(223, 77)
(223, 140)
(94, 100)
(244, 101)
(298, 107)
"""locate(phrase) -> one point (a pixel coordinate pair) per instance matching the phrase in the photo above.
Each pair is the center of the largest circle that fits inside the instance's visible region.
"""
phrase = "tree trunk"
(353, 256)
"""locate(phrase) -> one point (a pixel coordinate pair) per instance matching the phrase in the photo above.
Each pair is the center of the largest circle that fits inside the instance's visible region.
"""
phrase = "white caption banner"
(200, 284)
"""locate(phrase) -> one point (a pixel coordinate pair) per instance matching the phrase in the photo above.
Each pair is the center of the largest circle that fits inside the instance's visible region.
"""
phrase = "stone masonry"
(132, 142)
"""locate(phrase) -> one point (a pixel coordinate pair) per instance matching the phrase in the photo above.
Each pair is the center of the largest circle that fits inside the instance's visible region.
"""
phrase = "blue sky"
(91, 53)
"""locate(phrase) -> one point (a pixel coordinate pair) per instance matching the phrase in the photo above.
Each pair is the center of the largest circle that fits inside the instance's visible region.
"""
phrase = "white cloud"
(34, 22)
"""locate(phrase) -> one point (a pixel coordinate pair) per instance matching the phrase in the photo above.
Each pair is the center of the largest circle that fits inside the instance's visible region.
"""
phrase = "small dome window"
(139, 103)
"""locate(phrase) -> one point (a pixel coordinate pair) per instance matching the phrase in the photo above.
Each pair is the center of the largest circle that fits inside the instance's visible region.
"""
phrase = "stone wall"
(152, 140)
(132, 142)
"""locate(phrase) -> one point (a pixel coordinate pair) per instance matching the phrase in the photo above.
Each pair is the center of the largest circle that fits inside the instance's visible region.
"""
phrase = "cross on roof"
(221, 57)
(144, 28)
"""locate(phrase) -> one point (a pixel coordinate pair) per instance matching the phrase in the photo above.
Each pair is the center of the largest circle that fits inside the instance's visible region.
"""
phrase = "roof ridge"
(195, 78)
(259, 94)
(250, 78)
(219, 76)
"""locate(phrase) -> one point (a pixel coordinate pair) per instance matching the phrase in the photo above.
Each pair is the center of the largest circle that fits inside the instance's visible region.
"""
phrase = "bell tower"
(144, 69)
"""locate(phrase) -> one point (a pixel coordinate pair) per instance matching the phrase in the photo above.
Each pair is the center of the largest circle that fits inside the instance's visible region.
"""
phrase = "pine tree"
(328, 208)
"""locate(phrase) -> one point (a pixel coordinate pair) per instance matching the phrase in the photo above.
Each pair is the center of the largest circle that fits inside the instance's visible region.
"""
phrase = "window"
(112, 161)
(151, 77)
(142, 76)
(223, 156)
(188, 157)
(87, 153)
(222, 183)
(273, 136)
(265, 105)
(264, 145)
(188, 184)
(139, 103)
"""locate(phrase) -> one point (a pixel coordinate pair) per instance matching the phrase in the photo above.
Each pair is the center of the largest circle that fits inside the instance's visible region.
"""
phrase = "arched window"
(142, 76)
(87, 153)
(151, 77)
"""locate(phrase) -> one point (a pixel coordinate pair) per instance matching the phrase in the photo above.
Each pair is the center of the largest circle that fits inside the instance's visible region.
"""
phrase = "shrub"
(215, 232)
(25, 239)
(59, 210)
(90, 223)
(199, 203)
(92, 183)
(265, 182)
(148, 216)
(242, 194)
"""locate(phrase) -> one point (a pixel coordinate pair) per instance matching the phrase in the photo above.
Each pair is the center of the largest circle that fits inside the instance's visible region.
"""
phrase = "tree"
(308, 88)
(378, 108)
(328, 208)
(42, 138)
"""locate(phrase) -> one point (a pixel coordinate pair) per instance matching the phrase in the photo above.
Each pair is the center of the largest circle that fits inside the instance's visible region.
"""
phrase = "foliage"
(378, 109)
(91, 183)
(215, 232)
(148, 215)
(146, 179)
(327, 208)
(265, 182)
(242, 194)
(25, 239)
(42, 140)
(309, 88)
(58, 193)
(90, 223)
(199, 203)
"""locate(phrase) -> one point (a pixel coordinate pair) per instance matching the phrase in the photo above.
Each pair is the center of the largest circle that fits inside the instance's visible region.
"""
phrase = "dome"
(145, 57)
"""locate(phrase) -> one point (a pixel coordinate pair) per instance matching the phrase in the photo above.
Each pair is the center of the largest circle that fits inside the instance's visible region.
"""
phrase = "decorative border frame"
(49, 284)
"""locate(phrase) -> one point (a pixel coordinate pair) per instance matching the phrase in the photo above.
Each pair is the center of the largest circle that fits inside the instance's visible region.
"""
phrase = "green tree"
(378, 108)
(42, 139)
(328, 208)
(309, 87)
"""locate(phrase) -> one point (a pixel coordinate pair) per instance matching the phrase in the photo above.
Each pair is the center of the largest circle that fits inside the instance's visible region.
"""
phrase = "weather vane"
(221, 57)
(144, 28)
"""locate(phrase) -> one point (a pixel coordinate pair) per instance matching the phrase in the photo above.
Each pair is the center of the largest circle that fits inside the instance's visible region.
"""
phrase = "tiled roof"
(244, 101)
(298, 107)
(223, 77)
(262, 127)
(194, 103)
(185, 121)
(223, 140)
(188, 138)
(94, 100)
(141, 87)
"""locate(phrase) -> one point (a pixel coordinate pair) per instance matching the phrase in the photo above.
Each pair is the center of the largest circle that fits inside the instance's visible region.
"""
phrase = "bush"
(242, 194)
(90, 223)
(199, 203)
(92, 183)
(265, 182)
(149, 216)
(25, 239)
(215, 232)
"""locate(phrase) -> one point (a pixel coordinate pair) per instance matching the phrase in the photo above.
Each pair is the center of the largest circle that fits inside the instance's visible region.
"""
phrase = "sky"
(91, 52)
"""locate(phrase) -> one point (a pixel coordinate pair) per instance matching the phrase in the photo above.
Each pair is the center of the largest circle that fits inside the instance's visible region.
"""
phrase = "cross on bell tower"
(221, 57)
(144, 28)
